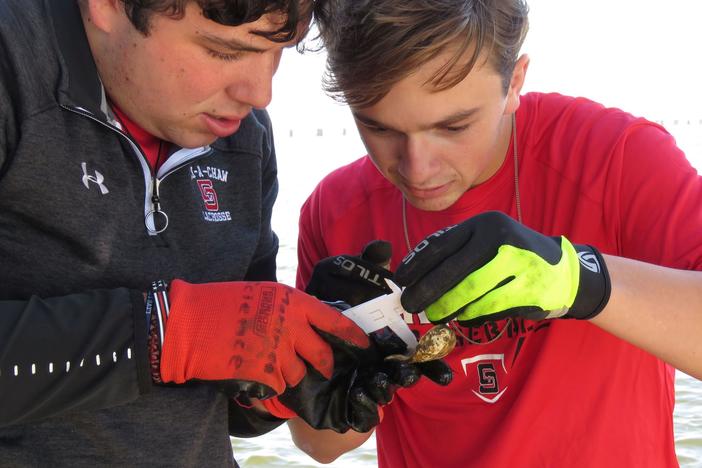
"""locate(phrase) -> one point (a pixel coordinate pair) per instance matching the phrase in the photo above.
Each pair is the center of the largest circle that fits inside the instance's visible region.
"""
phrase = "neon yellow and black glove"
(491, 267)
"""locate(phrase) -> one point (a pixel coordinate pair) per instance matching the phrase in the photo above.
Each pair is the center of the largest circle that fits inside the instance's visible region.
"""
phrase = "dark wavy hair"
(227, 12)
(373, 44)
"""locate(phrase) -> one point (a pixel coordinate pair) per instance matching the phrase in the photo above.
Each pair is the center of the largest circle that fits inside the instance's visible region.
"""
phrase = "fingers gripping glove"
(403, 373)
(375, 382)
(254, 338)
(327, 403)
(360, 385)
(491, 267)
(376, 385)
(353, 279)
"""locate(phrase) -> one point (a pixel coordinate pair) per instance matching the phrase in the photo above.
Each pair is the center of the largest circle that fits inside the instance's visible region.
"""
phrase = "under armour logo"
(589, 261)
(96, 179)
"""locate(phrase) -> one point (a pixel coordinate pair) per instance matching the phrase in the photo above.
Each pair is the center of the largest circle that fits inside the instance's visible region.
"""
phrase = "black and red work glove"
(254, 339)
(349, 280)
(330, 403)
(360, 385)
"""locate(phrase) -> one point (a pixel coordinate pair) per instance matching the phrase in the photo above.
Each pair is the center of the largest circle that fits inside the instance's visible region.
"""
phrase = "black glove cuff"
(595, 286)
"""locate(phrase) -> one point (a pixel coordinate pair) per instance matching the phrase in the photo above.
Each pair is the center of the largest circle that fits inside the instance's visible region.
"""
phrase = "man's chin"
(432, 204)
(193, 139)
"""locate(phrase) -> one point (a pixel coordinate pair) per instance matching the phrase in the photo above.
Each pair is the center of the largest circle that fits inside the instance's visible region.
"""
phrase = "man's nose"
(254, 87)
(417, 163)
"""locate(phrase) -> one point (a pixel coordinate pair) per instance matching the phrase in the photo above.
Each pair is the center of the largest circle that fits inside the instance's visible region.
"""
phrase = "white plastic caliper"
(384, 311)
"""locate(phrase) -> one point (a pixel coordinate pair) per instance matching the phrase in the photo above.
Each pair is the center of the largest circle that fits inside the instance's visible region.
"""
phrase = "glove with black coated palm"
(251, 339)
(348, 280)
(360, 384)
(491, 267)
(329, 403)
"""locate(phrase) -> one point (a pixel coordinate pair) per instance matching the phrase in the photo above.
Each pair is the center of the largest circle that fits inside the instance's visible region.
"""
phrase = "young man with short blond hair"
(508, 214)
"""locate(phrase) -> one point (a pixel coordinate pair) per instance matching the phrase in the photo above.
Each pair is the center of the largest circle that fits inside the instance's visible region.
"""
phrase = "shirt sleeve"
(659, 200)
(263, 264)
(78, 352)
(7, 126)
(310, 244)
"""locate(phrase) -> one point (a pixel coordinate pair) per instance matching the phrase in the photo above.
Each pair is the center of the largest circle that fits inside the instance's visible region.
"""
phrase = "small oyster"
(437, 343)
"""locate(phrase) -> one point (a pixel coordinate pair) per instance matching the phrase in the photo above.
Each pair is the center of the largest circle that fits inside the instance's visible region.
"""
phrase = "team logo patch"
(212, 212)
(489, 372)
(209, 195)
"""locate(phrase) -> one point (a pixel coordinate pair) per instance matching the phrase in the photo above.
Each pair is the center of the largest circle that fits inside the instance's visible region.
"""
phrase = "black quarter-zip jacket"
(78, 245)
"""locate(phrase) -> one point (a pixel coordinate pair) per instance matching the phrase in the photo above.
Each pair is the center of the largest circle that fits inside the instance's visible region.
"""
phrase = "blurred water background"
(596, 49)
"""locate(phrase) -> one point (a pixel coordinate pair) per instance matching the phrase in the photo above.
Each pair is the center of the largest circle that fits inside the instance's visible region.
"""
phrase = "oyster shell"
(437, 343)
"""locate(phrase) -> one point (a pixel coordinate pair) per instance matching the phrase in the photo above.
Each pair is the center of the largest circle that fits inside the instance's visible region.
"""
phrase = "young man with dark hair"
(139, 314)
(507, 214)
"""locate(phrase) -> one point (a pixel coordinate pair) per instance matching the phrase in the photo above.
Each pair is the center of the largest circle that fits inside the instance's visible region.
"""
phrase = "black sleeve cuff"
(140, 342)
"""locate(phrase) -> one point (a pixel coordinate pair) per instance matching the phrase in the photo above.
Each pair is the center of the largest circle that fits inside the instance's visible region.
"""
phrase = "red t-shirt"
(553, 393)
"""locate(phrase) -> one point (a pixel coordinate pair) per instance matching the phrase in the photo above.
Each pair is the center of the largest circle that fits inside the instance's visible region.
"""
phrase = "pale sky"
(640, 55)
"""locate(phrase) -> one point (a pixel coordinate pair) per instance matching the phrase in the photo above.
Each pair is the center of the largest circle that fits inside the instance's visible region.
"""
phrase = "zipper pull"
(156, 220)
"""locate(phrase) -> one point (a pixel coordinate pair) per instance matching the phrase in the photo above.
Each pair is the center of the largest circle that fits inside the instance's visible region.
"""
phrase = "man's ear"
(104, 15)
(516, 83)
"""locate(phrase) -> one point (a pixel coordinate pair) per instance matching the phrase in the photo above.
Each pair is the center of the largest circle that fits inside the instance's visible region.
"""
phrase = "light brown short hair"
(373, 44)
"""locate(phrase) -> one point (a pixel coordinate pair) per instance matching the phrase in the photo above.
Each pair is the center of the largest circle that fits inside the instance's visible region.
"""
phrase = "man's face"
(191, 80)
(436, 145)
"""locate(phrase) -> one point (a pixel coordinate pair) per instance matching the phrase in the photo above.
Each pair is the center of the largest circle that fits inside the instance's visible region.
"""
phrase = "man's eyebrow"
(231, 44)
(455, 118)
(445, 122)
(367, 120)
